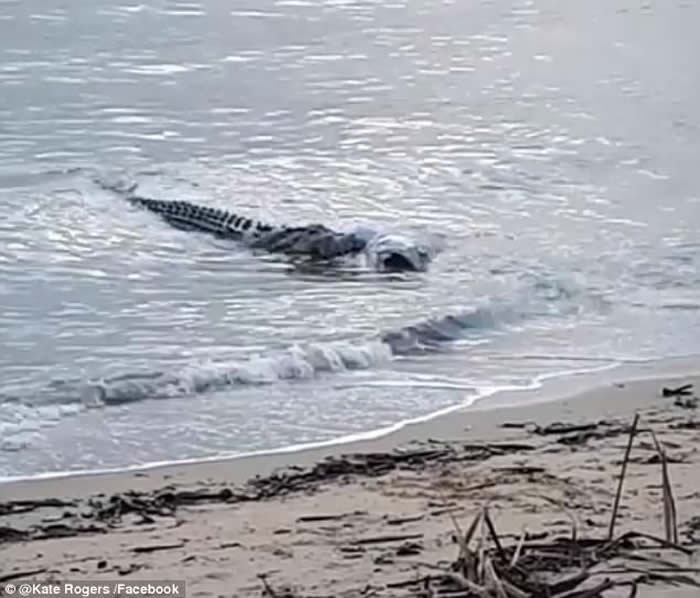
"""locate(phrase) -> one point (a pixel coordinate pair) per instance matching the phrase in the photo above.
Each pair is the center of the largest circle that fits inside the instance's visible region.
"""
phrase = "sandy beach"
(371, 518)
(350, 298)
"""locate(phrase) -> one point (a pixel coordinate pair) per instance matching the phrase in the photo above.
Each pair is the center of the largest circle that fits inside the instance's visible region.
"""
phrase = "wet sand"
(366, 523)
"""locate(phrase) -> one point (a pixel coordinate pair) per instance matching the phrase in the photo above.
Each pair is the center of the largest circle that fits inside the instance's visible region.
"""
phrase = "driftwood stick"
(661, 541)
(514, 591)
(518, 548)
(677, 392)
(470, 558)
(494, 535)
(627, 569)
(592, 593)
(387, 538)
(669, 504)
(618, 495)
(156, 547)
(19, 574)
(569, 584)
(267, 589)
(493, 580)
(407, 519)
(318, 518)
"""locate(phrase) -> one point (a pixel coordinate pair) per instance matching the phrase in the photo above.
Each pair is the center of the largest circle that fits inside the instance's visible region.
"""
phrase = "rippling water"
(555, 146)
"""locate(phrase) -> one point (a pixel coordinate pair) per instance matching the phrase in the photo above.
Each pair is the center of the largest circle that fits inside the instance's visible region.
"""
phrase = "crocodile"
(385, 252)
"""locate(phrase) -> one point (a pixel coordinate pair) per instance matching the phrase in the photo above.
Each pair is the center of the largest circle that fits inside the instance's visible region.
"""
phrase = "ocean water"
(554, 145)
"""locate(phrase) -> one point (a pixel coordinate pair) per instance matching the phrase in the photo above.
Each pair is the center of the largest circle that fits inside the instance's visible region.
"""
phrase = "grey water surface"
(554, 144)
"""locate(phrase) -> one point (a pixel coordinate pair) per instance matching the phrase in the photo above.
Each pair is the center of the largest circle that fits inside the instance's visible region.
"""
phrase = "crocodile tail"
(191, 216)
(184, 214)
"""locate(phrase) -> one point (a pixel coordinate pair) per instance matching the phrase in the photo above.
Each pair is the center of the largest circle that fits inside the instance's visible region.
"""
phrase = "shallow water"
(555, 147)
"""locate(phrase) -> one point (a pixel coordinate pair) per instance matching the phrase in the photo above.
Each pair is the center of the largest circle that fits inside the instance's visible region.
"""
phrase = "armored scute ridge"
(314, 240)
(384, 252)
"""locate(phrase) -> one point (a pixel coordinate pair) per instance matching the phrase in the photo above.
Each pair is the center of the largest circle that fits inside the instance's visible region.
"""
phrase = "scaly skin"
(314, 240)
(385, 252)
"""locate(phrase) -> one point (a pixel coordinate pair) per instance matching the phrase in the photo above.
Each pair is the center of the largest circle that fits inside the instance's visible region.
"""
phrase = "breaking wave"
(299, 363)
(309, 361)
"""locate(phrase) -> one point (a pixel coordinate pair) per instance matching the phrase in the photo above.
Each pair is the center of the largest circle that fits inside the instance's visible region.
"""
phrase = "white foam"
(298, 363)
(482, 394)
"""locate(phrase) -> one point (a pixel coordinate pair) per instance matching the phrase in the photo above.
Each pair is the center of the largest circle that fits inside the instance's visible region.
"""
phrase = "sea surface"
(555, 145)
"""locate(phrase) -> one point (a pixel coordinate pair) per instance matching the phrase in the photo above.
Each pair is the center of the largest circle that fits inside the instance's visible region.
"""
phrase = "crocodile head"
(397, 252)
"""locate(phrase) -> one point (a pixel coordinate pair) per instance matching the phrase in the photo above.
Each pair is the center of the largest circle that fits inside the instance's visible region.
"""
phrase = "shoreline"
(337, 520)
(570, 386)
